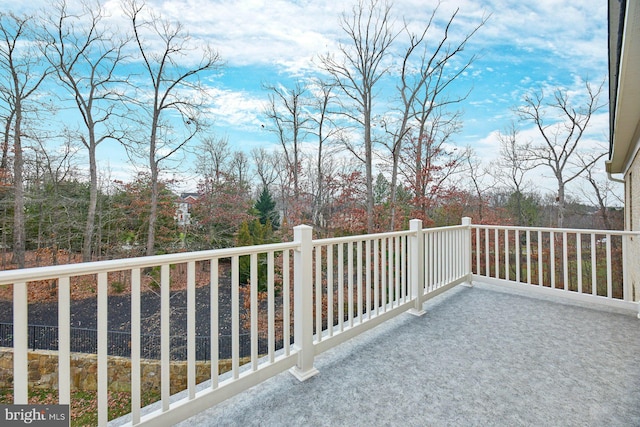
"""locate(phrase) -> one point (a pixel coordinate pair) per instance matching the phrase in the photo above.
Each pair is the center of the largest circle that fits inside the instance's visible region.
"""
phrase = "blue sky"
(524, 46)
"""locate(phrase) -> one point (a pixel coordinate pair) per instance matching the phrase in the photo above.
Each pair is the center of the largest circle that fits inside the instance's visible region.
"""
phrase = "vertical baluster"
(440, 261)
(496, 249)
(506, 255)
(165, 340)
(528, 237)
(478, 248)
(318, 293)
(20, 344)
(383, 274)
(396, 296)
(594, 270)
(429, 264)
(404, 281)
(432, 262)
(441, 258)
(518, 253)
(103, 367)
(253, 309)
(540, 259)
(451, 241)
(579, 260)
(486, 254)
(286, 301)
(330, 289)
(64, 341)
(451, 256)
(368, 277)
(460, 249)
(376, 276)
(565, 258)
(359, 281)
(341, 286)
(350, 282)
(609, 282)
(447, 256)
(271, 306)
(552, 256)
(191, 329)
(235, 320)
(390, 271)
(446, 241)
(463, 248)
(135, 346)
(213, 313)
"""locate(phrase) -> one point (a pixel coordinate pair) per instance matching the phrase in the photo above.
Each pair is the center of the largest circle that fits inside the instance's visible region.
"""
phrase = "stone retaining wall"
(43, 371)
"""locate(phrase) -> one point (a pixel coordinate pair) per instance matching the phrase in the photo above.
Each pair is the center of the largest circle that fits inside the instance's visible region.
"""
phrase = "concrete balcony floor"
(480, 356)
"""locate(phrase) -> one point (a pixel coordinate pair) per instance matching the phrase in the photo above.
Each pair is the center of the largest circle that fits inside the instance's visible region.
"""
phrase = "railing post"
(416, 265)
(468, 249)
(303, 303)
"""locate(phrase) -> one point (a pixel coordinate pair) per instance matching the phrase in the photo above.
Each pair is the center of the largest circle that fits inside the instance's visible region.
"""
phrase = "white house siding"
(632, 222)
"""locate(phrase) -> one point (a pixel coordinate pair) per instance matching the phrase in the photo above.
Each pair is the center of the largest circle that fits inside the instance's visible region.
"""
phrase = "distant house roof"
(624, 84)
(189, 197)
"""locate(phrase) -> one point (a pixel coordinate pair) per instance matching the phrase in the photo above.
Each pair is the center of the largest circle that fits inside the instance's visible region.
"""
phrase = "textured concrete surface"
(481, 356)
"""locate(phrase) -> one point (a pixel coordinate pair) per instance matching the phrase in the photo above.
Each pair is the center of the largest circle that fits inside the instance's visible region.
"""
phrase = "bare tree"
(561, 126)
(22, 74)
(357, 72)
(513, 165)
(266, 164)
(239, 169)
(429, 159)
(477, 174)
(85, 57)
(213, 158)
(176, 96)
(289, 121)
(325, 130)
(422, 88)
(56, 195)
(602, 193)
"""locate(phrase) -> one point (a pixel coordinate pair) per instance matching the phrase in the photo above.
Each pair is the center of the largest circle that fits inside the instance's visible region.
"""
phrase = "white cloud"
(524, 45)
(237, 109)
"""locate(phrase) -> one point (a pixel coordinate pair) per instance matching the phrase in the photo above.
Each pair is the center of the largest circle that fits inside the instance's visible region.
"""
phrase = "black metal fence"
(42, 337)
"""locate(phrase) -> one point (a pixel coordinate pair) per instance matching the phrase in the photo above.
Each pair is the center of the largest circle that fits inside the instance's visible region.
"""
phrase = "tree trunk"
(19, 238)
(561, 203)
(93, 201)
(153, 166)
(369, 169)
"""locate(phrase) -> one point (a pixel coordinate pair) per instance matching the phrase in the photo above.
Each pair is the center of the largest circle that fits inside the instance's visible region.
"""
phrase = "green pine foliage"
(266, 208)
(254, 233)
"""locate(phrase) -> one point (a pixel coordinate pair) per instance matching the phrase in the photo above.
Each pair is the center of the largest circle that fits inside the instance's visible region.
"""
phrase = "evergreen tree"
(266, 208)
(249, 234)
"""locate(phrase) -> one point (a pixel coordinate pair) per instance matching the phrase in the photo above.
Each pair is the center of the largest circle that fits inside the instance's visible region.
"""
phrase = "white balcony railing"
(574, 263)
(324, 291)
